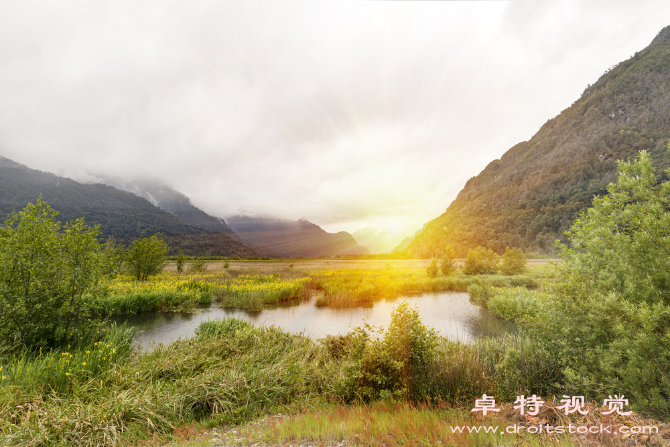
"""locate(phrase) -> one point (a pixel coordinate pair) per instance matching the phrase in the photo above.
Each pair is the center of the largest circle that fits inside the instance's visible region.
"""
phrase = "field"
(240, 384)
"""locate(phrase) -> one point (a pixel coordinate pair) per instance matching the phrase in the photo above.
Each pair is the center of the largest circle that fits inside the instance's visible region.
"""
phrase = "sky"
(350, 114)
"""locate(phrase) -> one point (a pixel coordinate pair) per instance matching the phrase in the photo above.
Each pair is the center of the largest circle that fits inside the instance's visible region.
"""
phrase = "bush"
(45, 274)
(197, 266)
(481, 261)
(513, 262)
(480, 293)
(432, 268)
(146, 256)
(394, 363)
(181, 259)
(448, 264)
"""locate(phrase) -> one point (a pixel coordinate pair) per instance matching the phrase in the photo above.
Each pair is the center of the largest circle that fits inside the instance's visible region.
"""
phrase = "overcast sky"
(346, 113)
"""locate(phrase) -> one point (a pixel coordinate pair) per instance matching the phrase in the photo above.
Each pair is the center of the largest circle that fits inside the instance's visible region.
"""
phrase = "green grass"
(354, 287)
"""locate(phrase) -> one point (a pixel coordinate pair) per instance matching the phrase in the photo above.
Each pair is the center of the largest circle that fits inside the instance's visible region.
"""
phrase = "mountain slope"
(376, 241)
(539, 187)
(120, 214)
(287, 238)
(174, 202)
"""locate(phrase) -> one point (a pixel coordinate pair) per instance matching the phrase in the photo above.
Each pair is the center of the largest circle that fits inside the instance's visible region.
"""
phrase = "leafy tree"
(146, 256)
(113, 257)
(481, 261)
(448, 264)
(45, 273)
(198, 265)
(608, 322)
(432, 268)
(180, 262)
(514, 262)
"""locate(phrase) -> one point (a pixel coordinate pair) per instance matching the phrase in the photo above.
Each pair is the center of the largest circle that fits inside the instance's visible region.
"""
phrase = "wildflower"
(67, 374)
(83, 364)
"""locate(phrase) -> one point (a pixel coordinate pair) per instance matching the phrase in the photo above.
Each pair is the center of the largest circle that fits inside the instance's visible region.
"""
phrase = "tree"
(432, 268)
(481, 261)
(180, 262)
(448, 264)
(608, 322)
(146, 256)
(45, 274)
(198, 265)
(113, 257)
(514, 262)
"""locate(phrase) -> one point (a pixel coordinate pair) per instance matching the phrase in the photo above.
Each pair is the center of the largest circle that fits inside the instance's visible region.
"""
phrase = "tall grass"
(61, 369)
(252, 292)
(353, 287)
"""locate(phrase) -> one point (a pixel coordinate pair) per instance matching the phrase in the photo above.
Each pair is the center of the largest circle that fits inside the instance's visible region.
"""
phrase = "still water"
(452, 314)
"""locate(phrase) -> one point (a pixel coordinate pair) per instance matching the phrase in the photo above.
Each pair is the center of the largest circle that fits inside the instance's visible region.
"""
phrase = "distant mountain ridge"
(291, 238)
(174, 202)
(119, 213)
(538, 188)
(376, 241)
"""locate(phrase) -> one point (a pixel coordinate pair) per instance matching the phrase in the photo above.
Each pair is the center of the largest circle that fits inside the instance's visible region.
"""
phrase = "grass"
(233, 373)
(385, 424)
(169, 291)
(355, 287)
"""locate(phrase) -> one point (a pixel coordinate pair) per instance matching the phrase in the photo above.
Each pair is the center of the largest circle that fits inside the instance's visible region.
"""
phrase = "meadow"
(404, 385)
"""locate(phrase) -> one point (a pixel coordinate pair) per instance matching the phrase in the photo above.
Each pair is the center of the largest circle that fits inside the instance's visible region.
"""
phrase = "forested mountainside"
(119, 213)
(172, 201)
(539, 187)
(288, 238)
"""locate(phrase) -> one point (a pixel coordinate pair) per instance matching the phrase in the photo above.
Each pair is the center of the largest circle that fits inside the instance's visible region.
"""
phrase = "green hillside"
(120, 214)
(537, 189)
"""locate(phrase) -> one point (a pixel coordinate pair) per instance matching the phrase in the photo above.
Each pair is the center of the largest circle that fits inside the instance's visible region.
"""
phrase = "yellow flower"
(67, 374)
(83, 364)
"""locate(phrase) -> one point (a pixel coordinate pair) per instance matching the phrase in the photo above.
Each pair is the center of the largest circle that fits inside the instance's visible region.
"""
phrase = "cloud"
(344, 113)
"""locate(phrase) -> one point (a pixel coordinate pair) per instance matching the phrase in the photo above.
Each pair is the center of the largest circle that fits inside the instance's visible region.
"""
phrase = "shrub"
(146, 256)
(393, 363)
(513, 262)
(197, 266)
(432, 268)
(448, 264)
(481, 261)
(181, 259)
(480, 293)
(45, 274)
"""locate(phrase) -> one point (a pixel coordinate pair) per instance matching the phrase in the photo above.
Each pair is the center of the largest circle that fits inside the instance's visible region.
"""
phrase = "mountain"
(405, 242)
(119, 213)
(376, 241)
(536, 190)
(174, 202)
(291, 238)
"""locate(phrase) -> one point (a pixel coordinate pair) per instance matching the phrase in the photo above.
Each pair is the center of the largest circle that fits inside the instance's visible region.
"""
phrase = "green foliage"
(608, 320)
(180, 261)
(45, 273)
(146, 256)
(432, 268)
(391, 362)
(480, 293)
(197, 266)
(113, 258)
(514, 262)
(518, 364)
(448, 264)
(226, 265)
(481, 261)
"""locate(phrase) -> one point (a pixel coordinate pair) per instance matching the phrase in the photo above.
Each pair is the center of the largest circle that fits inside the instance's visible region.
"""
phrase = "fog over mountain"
(351, 115)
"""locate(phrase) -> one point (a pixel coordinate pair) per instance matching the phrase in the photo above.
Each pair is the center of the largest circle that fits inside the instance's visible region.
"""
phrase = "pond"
(451, 314)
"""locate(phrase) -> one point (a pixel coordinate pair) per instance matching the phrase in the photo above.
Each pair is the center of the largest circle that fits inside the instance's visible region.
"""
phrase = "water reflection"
(451, 314)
